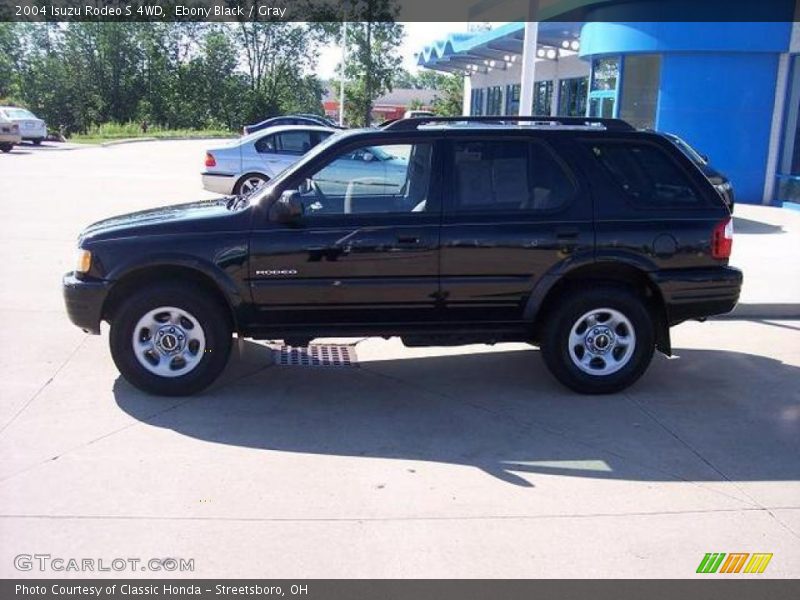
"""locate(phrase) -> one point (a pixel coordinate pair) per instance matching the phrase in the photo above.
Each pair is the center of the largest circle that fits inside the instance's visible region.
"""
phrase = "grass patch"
(109, 132)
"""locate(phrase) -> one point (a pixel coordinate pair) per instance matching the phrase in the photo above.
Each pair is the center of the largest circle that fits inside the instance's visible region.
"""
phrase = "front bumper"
(699, 293)
(84, 300)
(33, 133)
(219, 183)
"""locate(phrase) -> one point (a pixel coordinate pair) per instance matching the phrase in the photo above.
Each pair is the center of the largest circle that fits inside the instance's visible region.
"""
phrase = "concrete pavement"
(445, 462)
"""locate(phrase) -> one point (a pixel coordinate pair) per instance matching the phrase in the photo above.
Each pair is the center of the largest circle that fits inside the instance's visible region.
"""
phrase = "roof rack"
(413, 123)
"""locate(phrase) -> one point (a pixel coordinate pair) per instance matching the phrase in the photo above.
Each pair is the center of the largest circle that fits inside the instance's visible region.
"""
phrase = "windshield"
(19, 113)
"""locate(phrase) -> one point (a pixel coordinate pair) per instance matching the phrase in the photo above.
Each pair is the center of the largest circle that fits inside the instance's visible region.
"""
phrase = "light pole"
(344, 59)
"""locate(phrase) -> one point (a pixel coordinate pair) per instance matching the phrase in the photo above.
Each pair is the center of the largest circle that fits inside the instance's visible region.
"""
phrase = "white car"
(9, 135)
(31, 127)
(242, 166)
(410, 114)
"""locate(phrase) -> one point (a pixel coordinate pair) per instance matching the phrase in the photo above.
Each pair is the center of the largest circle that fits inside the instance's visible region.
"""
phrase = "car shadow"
(750, 226)
(710, 415)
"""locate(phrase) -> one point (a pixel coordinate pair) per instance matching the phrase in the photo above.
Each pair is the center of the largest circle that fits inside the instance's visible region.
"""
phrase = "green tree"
(10, 54)
(276, 55)
(372, 58)
(449, 101)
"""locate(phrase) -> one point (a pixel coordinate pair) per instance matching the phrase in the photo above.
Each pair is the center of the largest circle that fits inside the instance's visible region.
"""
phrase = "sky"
(417, 36)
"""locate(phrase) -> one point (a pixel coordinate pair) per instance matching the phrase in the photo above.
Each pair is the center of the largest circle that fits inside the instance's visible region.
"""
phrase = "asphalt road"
(467, 462)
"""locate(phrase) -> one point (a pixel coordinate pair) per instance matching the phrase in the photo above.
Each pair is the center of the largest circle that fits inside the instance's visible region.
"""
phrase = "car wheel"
(599, 341)
(37, 142)
(249, 184)
(6, 148)
(170, 339)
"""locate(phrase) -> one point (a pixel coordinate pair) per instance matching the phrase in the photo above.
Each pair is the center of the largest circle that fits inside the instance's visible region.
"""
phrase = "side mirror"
(287, 209)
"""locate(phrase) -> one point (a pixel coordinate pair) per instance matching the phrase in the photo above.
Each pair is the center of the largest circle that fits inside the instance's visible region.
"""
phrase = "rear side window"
(508, 176)
(266, 144)
(647, 174)
(294, 142)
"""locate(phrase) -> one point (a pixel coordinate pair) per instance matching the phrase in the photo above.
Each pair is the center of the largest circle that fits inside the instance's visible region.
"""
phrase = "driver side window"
(378, 179)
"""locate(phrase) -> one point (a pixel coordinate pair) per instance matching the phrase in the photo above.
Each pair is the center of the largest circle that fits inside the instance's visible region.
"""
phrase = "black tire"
(37, 142)
(6, 148)
(212, 318)
(560, 321)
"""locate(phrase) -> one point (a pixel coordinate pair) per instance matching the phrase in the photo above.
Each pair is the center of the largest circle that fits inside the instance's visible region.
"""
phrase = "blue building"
(732, 90)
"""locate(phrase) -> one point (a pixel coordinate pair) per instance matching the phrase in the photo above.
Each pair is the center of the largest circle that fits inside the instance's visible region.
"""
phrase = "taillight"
(722, 239)
(210, 161)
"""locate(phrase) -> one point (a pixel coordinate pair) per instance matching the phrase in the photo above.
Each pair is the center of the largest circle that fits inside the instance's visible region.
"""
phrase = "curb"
(127, 141)
(165, 139)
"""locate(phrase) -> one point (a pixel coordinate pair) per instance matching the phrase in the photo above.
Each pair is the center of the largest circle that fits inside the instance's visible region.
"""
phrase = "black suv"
(582, 236)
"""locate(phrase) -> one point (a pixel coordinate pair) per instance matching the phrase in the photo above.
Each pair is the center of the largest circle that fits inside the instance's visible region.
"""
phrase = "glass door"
(602, 104)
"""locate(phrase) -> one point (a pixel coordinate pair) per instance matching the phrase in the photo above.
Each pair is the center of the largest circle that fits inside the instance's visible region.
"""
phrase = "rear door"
(515, 211)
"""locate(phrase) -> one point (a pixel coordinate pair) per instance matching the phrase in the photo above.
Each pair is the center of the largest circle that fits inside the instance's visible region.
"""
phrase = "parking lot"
(444, 462)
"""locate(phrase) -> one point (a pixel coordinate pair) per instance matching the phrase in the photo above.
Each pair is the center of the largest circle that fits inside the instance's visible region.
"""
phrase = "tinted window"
(647, 174)
(508, 175)
(371, 180)
(266, 144)
(294, 142)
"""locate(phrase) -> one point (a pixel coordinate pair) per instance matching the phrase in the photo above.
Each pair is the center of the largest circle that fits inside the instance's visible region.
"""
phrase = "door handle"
(408, 240)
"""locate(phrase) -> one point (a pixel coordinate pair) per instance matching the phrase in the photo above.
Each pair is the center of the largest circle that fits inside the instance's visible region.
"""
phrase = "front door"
(366, 249)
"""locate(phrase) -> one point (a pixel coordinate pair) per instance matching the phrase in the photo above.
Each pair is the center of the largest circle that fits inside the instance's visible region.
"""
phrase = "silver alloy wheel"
(168, 341)
(602, 341)
(250, 185)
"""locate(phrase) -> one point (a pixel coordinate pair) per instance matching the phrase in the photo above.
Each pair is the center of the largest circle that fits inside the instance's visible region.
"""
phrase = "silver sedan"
(245, 164)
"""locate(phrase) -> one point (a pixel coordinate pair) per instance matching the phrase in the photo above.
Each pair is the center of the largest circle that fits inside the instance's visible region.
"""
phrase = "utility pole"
(344, 60)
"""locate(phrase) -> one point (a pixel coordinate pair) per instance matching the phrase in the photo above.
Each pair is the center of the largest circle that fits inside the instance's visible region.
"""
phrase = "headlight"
(83, 261)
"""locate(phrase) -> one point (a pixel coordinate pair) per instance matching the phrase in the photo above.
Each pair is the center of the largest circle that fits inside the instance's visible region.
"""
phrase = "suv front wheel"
(599, 341)
(170, 339)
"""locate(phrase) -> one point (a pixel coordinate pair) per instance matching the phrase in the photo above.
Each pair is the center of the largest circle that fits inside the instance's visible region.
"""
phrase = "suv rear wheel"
(170, 339)
(599, 341)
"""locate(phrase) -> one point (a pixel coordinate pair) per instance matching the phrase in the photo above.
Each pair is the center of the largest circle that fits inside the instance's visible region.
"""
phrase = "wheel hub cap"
(168, 341)
(602, 341)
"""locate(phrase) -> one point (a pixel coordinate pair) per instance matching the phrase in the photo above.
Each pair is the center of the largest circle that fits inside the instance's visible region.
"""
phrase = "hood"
(221, 214)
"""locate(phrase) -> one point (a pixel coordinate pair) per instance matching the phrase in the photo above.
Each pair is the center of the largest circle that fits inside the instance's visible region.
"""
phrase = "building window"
(641, 78)
(605, 73)
(512, 99)
(572, 97)
(476, 104)
(494, 100)
(542, 98)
